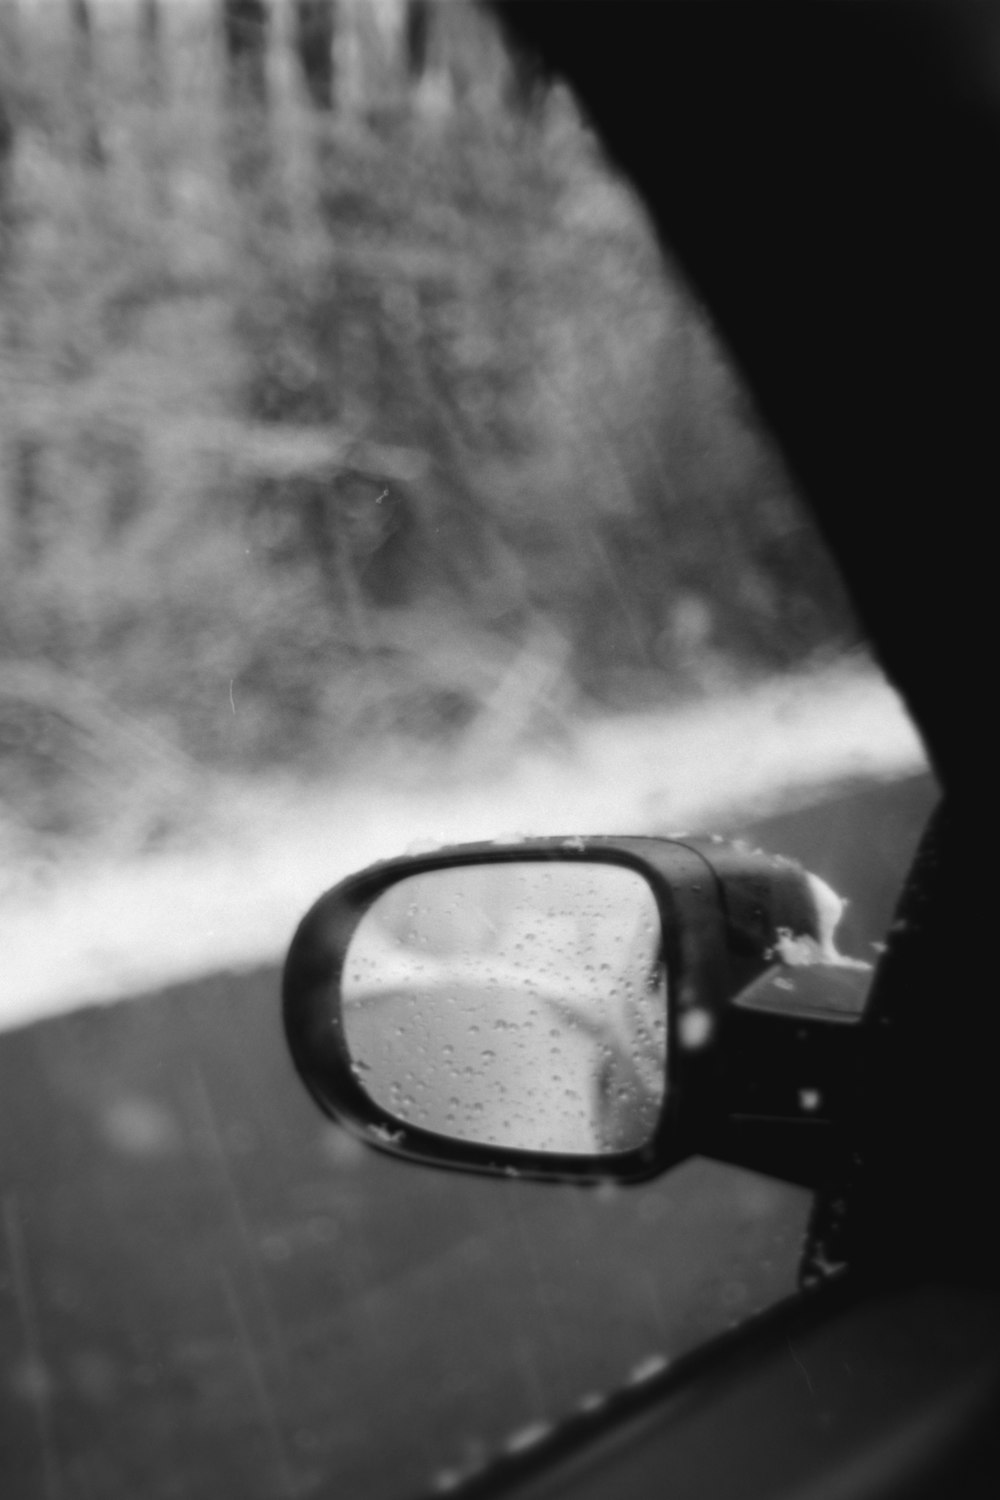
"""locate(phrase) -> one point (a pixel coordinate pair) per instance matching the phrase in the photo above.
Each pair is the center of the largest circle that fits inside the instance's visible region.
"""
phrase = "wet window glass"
(369, 479)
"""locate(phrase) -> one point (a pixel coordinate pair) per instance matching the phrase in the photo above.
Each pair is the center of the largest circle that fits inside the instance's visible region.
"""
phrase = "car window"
(369, 478)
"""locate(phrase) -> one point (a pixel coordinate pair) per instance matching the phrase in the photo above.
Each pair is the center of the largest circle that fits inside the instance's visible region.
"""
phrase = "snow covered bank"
(102, 930)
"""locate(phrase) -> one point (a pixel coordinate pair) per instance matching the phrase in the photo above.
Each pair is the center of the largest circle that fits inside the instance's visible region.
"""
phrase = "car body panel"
(878, 1392)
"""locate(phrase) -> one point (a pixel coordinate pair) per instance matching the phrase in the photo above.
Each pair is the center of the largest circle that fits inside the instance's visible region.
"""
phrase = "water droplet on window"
(527, 1437)
(648, 1368)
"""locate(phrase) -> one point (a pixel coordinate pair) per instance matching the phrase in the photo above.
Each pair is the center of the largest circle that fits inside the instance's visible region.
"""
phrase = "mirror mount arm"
(780, 1093)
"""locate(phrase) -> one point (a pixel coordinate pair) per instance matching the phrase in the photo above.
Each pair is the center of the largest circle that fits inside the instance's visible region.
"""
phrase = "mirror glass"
(519, 1004)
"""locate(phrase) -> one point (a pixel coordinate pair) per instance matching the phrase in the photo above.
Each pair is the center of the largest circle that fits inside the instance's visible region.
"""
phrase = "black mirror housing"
(745, 1071)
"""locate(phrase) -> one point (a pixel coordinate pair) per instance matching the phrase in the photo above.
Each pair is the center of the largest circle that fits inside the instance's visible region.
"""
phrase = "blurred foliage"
(347, 407)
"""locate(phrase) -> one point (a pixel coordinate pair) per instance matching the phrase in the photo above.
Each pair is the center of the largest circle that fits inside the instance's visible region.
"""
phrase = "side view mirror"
(579, 1009)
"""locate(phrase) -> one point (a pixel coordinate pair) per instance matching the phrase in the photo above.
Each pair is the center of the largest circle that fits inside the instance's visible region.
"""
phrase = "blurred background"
(349, 414)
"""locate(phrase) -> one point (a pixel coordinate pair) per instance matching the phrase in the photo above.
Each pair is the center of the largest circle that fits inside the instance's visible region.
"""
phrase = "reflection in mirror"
(518, 1004)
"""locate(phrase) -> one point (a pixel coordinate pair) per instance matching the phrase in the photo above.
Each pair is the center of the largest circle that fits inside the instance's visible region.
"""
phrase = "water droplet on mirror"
(695, 1028)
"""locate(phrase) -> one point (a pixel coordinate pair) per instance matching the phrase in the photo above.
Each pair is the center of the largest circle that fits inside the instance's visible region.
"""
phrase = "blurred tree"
(246, 38)
(6, 152)
(423, 443)
(152, 80)
(151, 51)
(417, 38)
(245, 26)
(315, 28)
(11, 40)
(84, 83)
